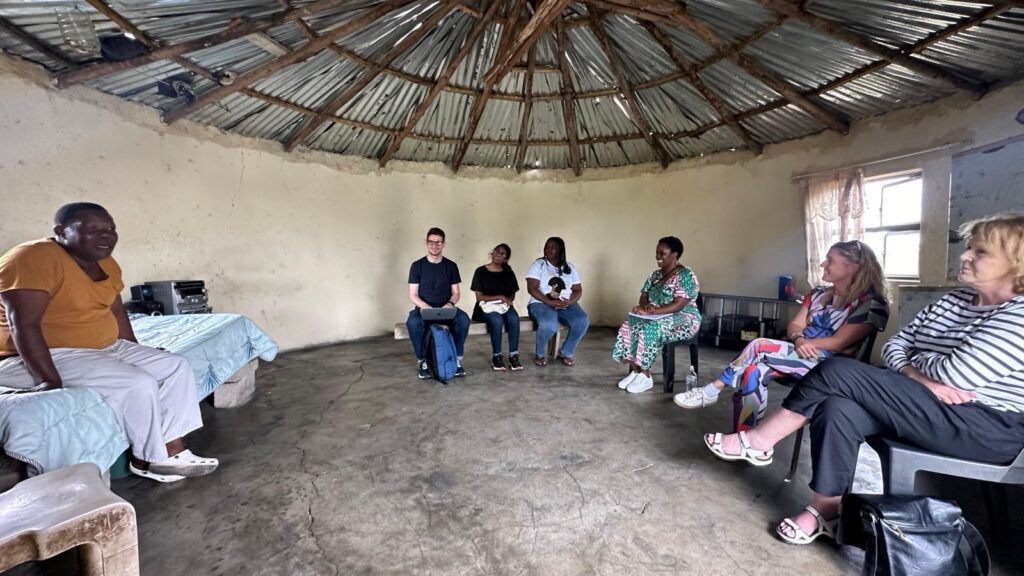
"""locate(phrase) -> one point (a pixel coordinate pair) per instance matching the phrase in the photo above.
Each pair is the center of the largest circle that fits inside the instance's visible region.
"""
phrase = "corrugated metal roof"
(843, 80)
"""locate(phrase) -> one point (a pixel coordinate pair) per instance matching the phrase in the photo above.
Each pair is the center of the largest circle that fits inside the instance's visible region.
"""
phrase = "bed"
(49, 430)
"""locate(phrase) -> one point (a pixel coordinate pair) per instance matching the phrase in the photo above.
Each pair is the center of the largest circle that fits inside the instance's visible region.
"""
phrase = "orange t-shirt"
(78, 314)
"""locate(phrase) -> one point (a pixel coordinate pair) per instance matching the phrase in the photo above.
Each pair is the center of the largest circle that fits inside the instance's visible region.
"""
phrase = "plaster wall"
(316, 247)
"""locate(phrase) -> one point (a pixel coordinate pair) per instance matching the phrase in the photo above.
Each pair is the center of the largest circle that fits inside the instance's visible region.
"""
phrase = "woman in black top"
(495, 287)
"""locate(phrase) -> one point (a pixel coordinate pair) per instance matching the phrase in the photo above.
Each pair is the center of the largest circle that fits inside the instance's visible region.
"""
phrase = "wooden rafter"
(427, 137)
(628, 94)
(542, 17)
(144, 39)
(524, 122)
(504, 46)
(277, 64)
(338, 101)
(709, 95)
(453, 65)
(568, 100)
(94, 71)
(757, 70)
(34, 43)
(864, 42)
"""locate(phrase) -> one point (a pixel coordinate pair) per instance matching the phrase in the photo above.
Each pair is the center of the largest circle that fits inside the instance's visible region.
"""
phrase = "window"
(892, 222)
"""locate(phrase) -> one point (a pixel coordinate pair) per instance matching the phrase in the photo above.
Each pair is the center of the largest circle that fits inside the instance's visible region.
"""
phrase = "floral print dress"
(640, 340)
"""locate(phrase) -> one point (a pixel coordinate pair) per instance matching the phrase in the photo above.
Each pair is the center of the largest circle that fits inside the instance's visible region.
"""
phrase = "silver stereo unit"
(176, 296)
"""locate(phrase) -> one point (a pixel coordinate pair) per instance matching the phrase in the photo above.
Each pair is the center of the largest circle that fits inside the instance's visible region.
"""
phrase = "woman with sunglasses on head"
(953, 384)
(495, 286)
(832, 321)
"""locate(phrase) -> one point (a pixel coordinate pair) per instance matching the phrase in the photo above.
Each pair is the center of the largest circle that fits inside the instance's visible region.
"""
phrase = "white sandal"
(164, 478)
(185, 463)
(799, 537)
(753, 456)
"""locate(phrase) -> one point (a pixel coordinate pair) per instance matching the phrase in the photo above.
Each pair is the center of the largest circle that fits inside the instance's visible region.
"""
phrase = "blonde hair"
(1006, 232)
(869, 274)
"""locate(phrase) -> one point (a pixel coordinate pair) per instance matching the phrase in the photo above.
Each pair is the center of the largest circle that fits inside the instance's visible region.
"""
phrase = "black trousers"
(847, 401)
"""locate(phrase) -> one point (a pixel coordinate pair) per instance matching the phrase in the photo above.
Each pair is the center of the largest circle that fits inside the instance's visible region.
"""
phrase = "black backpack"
(912, 536)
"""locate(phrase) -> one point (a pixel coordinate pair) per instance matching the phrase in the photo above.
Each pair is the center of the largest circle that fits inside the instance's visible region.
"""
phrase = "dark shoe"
(460, 372)
(513, 362)
(498, 363)
(424, 372)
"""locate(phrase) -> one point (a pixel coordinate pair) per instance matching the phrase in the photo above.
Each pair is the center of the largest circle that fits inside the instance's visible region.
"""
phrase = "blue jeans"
(510, 321)
(414, 323)
(548, 319)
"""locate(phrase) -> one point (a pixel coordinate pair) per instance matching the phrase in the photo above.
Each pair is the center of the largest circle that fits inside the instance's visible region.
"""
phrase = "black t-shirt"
(435, 280)
(501, 283)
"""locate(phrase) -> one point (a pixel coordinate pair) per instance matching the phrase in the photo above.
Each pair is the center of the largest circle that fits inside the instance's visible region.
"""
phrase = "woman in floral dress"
(667, 312)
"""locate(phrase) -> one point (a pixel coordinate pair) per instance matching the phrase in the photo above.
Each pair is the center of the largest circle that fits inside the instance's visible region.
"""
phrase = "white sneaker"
(628, 380)
(643, 383)
(695, 398)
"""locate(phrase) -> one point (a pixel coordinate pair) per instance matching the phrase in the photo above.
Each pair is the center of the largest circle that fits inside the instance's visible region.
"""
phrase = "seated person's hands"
(448, 305)
(805, 349)
(946, 394)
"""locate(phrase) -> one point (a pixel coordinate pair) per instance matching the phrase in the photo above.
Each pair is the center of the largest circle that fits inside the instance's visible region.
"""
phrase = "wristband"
(794, 337)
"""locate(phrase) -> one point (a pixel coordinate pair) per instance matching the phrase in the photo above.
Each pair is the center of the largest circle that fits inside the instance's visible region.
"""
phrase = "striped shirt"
(973, 348)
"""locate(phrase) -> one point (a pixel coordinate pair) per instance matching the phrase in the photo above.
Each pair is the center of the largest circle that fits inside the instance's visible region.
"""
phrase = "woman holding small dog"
(555, 289)
(495, 286)
(667, 312)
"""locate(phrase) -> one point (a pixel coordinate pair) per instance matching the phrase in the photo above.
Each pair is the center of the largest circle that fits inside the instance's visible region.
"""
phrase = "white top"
(542, 271)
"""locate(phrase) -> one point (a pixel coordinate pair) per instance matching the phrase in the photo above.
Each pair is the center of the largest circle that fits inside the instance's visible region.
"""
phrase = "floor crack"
(583, 499)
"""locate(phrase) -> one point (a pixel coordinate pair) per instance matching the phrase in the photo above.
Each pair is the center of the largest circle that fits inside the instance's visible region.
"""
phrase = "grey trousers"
(846, 401)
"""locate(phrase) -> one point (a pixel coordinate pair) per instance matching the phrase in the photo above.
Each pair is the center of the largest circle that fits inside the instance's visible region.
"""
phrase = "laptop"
(438, 314)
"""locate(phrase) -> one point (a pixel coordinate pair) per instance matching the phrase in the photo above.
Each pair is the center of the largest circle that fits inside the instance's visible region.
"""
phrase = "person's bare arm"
(124, 326)
(456, 295)
(677, 304)
(25, 310)
(799, 321)
(414, 295)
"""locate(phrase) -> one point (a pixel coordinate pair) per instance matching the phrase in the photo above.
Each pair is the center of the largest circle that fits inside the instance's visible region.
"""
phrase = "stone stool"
(64, 509)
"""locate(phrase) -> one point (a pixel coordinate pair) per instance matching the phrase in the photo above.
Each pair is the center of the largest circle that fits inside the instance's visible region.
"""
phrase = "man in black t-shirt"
(434, 283)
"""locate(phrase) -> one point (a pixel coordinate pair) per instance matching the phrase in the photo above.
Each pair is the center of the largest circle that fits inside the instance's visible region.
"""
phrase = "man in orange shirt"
(62, 324)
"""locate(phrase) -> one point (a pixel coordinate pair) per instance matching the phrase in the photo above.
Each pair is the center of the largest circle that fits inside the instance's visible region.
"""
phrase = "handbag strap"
(974, 551)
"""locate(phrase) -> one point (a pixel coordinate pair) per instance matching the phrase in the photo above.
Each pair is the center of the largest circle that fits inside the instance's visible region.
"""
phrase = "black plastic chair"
(901, 464)
(668, 353)
(864, 355)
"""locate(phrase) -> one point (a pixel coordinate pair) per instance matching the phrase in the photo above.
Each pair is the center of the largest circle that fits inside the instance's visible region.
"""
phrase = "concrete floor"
(345, 463)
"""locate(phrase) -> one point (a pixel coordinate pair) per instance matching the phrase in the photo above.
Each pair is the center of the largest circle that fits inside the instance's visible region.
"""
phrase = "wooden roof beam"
(470, 44)
(524, 123)
(627, 92)
(480, 103)
(543, 15)
(7, 27)
(713, 99)
(757, 70)
(339, 100)
(568, 100)
(94, 71)
(277, 64)
(863, 42)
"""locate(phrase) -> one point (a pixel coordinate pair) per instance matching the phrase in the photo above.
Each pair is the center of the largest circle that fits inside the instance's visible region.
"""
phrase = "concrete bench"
(64, 509)
(526, 324)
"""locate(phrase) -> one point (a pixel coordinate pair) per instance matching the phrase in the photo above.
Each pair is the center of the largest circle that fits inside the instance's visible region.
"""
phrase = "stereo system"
(175, 296)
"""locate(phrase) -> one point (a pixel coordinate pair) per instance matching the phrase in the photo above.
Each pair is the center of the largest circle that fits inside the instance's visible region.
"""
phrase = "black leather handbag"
(912, 536)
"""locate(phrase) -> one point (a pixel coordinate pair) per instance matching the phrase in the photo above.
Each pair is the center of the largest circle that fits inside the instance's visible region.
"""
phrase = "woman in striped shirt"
(954, 384)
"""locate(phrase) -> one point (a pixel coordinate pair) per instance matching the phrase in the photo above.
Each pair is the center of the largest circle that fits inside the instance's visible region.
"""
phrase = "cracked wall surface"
(316, 247)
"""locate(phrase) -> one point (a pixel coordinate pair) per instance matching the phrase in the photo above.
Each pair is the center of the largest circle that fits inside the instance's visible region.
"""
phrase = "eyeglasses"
(435, 242)
(499, 253)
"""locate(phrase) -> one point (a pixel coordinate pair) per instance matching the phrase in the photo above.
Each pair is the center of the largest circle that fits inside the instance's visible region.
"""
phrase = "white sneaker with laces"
(695, 398)
(628, 380)
(643, 383)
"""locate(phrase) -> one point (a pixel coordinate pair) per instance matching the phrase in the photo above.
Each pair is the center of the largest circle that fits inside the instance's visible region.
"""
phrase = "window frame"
(898, 178)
